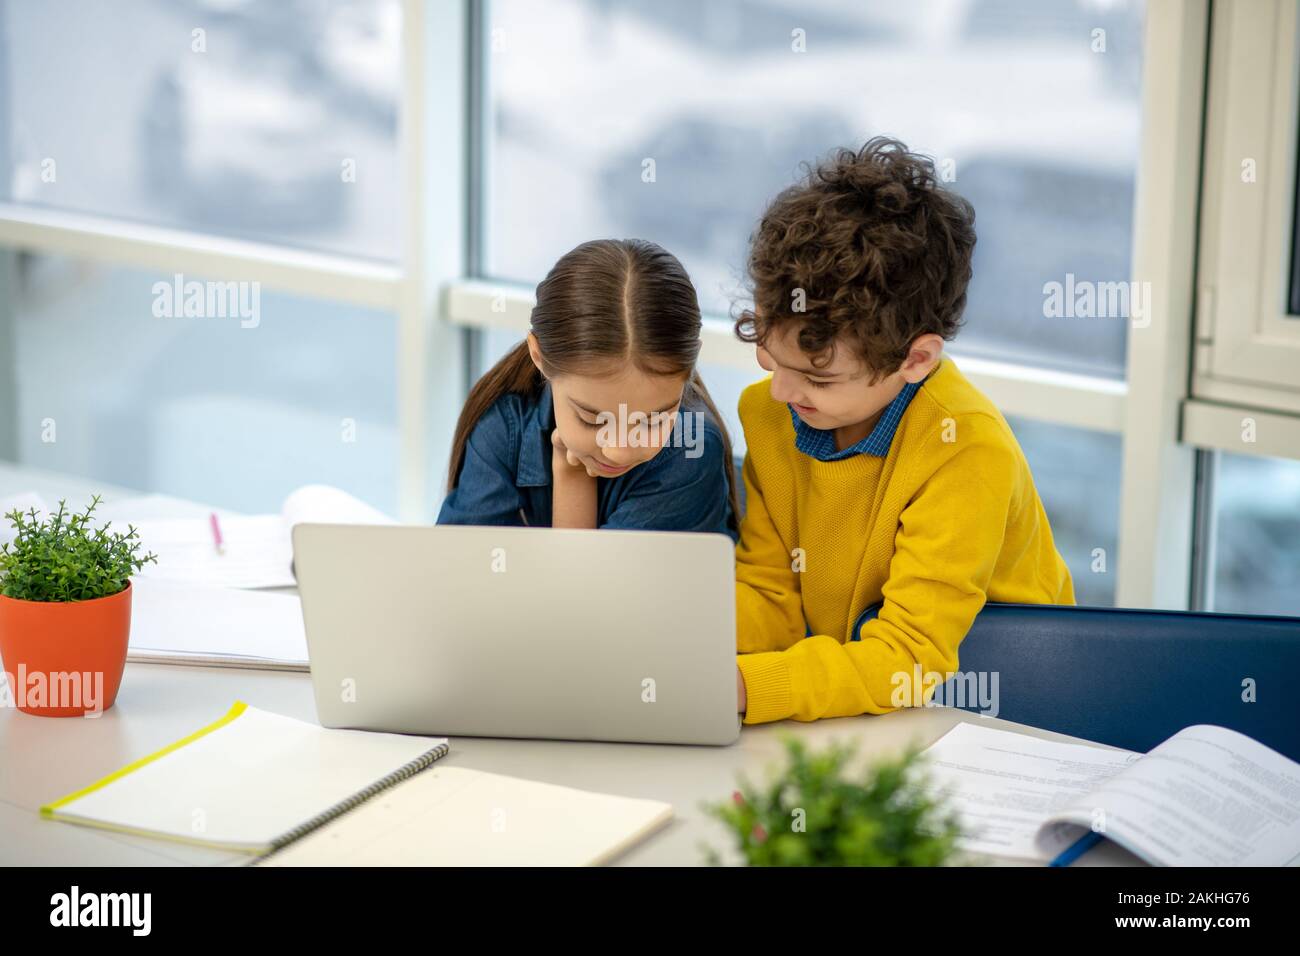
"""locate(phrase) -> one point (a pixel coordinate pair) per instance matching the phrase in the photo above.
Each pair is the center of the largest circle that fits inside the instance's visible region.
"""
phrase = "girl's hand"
(565, 457)
(560, 453)
(573, 490)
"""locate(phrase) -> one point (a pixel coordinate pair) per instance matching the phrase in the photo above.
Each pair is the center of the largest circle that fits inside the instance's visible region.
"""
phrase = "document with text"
(1207, 796)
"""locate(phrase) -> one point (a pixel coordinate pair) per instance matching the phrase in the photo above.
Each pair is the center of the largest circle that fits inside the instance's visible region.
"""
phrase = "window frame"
(441, 301)
(1247, 342)
(430, 362)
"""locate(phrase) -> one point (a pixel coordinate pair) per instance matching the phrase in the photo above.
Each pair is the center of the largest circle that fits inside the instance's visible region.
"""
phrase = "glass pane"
(232, 411)
(1077, 474)
(1257, 540)
(1034, 104)
(268, 121)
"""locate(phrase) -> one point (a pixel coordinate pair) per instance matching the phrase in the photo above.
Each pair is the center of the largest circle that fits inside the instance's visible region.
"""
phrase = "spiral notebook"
(249, 782)
(258, 783)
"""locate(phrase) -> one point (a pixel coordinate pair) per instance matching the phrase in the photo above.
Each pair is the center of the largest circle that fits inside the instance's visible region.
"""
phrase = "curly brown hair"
(872, 248)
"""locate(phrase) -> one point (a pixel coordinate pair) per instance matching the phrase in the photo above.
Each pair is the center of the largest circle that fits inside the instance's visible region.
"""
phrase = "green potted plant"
(65, 610)
(815, 813)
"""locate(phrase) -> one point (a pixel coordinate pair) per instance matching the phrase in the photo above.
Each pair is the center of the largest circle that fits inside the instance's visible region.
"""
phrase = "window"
(546, 117)
(1077, 474)
(269, 121)
(216, 409)
(676, 121)
(1248, 340)
(1256, 554)
(1246, 376)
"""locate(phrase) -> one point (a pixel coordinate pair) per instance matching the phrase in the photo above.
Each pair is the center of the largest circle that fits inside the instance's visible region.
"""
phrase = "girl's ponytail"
(696, 386)
(514, 373)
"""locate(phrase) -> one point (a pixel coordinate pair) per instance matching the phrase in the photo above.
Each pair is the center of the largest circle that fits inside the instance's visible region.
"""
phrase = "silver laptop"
(521, 632)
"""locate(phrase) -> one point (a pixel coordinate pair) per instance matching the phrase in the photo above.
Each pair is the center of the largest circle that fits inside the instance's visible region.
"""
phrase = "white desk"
(42, 759)
(46, 758)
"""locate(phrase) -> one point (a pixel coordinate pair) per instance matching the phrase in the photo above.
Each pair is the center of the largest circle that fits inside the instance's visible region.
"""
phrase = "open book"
(295, 793)
(255, 551)
(172, 622)
(1207, 796)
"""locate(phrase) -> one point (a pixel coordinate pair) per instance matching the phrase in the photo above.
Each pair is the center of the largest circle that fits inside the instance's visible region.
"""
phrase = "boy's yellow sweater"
(948, 519)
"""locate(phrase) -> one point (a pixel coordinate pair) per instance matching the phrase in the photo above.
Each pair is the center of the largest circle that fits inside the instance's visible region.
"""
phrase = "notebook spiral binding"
(403, 772)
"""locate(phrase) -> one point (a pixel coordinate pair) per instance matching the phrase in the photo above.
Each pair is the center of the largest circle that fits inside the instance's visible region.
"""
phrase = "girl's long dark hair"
(607, 302)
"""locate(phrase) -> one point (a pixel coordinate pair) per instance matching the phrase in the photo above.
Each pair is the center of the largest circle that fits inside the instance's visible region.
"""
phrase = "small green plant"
(814, 814)
(64, 558)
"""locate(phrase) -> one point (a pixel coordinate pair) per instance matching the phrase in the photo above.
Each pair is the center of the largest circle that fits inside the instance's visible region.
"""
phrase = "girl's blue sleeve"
(486, 493)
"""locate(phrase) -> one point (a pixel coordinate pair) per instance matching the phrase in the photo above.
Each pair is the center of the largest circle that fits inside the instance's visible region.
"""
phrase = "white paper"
(453, 816)
(1207, 796)
(322, 503)
(256, 551)
(170, 618)
(1005, 785)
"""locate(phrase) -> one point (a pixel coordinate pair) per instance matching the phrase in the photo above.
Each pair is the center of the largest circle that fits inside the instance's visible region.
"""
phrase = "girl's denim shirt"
(506, 475)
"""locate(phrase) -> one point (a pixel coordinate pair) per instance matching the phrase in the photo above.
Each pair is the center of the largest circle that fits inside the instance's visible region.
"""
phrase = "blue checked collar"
(820, 443)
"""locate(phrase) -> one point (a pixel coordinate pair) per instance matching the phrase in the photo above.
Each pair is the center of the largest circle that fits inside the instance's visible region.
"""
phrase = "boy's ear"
(535, 353)
(922, 357)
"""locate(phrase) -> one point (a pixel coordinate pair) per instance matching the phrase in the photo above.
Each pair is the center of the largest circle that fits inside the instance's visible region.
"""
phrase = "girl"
(598, 419)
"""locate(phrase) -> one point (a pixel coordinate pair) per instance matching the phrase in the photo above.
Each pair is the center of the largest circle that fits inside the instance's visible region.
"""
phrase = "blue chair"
(1132, 678)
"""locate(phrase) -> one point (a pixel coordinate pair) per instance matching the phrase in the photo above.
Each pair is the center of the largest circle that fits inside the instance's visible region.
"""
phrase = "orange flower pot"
(65, 659)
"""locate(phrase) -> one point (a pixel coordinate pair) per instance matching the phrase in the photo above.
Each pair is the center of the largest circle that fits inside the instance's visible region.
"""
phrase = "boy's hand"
(741, 697)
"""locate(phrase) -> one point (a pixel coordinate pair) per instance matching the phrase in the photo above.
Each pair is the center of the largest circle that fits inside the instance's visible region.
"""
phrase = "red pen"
(216, 533)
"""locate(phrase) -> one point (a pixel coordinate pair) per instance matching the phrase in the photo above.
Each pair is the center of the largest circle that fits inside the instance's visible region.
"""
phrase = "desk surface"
(45, 758)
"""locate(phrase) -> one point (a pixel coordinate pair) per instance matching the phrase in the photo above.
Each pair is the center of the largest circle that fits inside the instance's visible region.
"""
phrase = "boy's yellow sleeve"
(948, 542)
(769, 607)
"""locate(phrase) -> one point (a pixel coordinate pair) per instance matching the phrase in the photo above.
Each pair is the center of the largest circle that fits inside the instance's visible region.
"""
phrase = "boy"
(875, 473)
